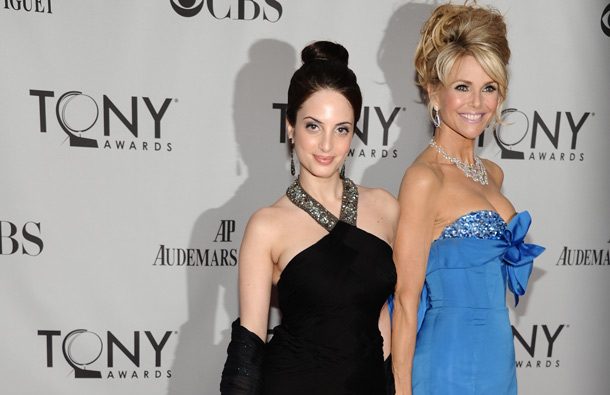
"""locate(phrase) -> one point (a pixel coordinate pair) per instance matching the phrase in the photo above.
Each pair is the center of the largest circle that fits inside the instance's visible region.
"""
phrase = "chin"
(323, 173)
(328, 174)
(472, 133)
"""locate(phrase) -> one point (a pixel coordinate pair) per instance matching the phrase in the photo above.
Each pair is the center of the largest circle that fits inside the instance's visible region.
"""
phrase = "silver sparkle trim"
(349, 204)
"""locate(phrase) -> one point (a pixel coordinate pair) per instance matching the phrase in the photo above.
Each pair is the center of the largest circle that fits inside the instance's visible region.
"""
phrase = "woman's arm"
(418, 207)
(256, 272)
(243, 370)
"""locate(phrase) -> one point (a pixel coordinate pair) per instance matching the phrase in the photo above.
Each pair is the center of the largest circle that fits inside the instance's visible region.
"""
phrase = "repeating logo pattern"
(77, 114)
(539, 345)
(83, 350)
(21, 239)
(534, 136)
(37, 6)
(210, 257)
(244, 10)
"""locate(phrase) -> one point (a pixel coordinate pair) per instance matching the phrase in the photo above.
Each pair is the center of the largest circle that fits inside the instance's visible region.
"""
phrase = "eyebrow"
(470, 82)
(318, 121)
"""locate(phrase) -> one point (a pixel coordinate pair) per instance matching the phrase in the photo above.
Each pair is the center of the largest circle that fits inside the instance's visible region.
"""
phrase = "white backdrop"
(135, 142)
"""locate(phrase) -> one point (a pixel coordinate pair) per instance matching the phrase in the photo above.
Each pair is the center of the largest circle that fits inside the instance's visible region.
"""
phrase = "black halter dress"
(330, 296)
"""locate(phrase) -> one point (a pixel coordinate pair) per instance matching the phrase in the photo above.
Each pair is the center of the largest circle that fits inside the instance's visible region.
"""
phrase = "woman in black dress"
(326, 244)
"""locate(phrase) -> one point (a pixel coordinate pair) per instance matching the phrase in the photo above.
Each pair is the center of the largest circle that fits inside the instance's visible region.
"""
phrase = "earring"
(436, 120)
(292, 169)
(342, 171)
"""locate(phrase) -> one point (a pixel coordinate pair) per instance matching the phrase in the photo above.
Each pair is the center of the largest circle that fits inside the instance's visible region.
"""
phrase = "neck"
(455, 145)
(324, 190)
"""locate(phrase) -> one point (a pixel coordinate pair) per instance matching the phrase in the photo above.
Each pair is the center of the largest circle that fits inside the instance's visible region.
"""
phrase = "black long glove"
(243, 370)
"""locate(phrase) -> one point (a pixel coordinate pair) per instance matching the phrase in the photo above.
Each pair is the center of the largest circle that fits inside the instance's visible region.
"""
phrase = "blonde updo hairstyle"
(454, 31)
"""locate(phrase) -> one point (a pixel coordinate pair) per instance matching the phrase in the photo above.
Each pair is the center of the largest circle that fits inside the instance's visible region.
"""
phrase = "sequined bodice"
(482, 224)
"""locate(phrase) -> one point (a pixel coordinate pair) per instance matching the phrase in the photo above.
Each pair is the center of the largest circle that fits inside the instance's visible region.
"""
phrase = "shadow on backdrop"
(395, 59)
(212, 292)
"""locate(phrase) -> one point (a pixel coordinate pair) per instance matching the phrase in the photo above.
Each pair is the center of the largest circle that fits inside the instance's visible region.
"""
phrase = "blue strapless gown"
(465, 342)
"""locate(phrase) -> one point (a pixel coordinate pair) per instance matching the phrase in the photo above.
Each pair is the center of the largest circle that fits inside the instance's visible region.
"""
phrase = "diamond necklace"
(476, 171)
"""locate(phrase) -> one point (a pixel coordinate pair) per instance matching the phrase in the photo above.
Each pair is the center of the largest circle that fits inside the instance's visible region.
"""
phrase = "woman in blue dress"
(459, 240)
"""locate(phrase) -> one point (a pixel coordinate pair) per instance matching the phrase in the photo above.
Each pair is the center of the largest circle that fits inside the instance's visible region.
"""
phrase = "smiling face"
(468, 101)
(322, 133)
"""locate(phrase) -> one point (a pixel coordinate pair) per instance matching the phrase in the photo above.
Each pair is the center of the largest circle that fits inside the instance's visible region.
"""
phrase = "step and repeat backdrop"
(137, 137)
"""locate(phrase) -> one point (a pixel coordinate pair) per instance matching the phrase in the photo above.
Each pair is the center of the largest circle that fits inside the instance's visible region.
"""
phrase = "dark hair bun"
(324, 67)
(325, 50)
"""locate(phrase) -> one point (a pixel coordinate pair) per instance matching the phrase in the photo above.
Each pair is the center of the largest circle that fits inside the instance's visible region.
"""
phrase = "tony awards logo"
(538, 137)
(82, 350)
(77, 113)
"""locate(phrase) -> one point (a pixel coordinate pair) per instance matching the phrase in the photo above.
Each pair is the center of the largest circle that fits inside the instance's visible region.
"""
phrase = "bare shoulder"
(493, 171)
(422, 177)
(378, 212)
(267, 219)
(265, 234)
(378, 196)
(379, 201)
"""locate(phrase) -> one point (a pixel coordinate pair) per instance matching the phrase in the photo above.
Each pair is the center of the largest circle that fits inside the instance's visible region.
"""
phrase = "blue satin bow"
(519, 256)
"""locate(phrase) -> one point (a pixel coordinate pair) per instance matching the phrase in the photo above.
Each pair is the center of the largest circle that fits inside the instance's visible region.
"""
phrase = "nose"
(475, 99)
(326, 142)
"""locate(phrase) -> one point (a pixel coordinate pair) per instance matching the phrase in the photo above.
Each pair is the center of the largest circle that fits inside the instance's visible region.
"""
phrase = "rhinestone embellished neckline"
(476, 171)
(349, 204)
(481, 224)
